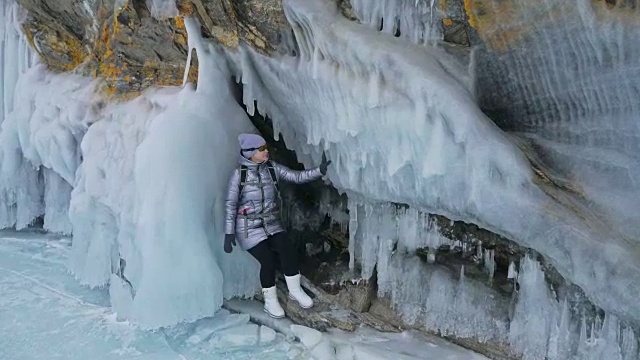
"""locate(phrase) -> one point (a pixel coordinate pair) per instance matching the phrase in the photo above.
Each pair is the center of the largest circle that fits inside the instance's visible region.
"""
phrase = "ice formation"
(142, 180)
(413, 20)
(442, 303)
(36, 132)
(151, 182)
(489, 262)
(444, 157)
(19, 202)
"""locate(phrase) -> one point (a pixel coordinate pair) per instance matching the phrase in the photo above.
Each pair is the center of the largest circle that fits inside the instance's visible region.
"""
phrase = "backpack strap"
(243, 178)
(274, 178)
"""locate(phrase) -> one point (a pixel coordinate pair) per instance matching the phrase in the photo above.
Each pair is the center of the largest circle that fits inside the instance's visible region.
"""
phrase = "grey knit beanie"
(250, 141)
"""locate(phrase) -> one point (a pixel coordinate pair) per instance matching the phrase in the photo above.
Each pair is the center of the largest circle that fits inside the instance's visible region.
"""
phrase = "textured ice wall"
(38, 135)
(43, 134)
(151, 191)
(15, 54)
(565, 75)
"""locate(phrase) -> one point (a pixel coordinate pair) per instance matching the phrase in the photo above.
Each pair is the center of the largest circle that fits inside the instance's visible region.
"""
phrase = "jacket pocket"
(247, 206)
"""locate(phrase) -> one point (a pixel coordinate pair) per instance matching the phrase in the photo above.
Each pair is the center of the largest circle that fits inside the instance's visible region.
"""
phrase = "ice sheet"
(45, 313)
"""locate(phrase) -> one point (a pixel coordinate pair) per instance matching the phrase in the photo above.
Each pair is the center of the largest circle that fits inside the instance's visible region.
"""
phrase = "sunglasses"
(261, 148)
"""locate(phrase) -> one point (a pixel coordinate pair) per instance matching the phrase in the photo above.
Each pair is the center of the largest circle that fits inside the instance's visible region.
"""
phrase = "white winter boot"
(296, 293)
(271, 304)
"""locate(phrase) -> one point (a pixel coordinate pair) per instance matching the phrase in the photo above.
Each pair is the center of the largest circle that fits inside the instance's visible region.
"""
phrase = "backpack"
(284, 216)
(272, 174)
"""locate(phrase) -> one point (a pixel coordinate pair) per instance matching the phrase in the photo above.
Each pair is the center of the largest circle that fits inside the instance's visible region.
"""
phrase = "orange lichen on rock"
(179, 21)
(502, 23)
(68, 49)
(186, 8)
(470, 9)
(107, 69)
(119, 50)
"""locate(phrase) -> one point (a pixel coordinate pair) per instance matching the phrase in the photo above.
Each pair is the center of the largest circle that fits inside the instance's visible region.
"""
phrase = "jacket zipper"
(264, 226)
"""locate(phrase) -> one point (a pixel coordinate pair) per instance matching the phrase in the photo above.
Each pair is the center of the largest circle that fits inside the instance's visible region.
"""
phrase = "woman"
(253, 218)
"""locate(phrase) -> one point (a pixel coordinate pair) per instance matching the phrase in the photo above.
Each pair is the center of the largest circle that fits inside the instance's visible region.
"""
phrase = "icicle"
(609, 339)
(583, 342)
(560, 341)
(248, 97)
(629, 345)
(315, 62)
(465, 246)
(353, 228)
(385, 271)
(57, 196)
(564, 332)
(489, 262)
(187, 67)
(439, 303)
(431, 256)
(512, 272)
(535, 313)
(11, 65)
(411, 19)
(553, 346)
(464, 326)
(596, 328)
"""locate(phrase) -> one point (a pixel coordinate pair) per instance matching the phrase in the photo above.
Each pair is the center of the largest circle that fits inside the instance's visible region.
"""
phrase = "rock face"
(123, 44)
(120, 42)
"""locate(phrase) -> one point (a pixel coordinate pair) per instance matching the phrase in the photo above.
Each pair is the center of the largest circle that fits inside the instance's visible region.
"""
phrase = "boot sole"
(294, 299)
(273, 316)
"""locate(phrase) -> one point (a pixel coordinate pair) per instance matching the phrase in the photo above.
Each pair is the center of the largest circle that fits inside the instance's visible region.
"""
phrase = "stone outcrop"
(120, 42)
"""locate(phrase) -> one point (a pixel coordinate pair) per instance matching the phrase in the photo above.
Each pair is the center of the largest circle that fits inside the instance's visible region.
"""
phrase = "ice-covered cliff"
(530, 134)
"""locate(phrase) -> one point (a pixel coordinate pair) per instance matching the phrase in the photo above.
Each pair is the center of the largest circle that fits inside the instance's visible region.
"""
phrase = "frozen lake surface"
(46, 314)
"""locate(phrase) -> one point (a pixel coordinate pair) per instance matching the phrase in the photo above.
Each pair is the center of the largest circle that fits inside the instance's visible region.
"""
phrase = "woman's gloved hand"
(324, 164)
(228, 240)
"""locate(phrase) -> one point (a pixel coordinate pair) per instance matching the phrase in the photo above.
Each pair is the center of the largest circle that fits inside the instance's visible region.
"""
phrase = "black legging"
(265, 253)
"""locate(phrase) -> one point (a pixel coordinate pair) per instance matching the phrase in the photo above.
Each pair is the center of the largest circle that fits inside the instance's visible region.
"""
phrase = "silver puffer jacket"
(255, 213)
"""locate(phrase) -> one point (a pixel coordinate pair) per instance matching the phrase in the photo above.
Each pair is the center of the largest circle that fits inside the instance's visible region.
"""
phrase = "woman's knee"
(263, 253)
